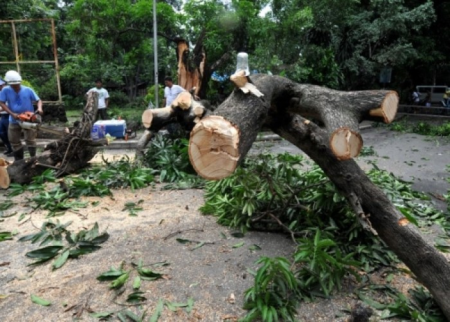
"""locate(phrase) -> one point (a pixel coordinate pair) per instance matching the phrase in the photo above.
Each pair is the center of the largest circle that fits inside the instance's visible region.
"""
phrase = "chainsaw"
(32, 121)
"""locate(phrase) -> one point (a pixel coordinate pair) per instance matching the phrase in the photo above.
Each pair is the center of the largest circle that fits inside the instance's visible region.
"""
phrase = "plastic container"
(115, 128)
(97, 132)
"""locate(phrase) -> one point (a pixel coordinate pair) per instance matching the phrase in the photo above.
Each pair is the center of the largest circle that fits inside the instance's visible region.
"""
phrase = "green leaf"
(137, 283)
(36, 299)
(184, 241)
(238, 245)
(200, 244)
(120, 281)
(111, 274)
(159, 308)
(407, 213)
(101, 315)
(372, 303)
(61, 260)
(136, 297)
(148, 274)
(5, 235)
(44, 253)
(254, 247)
(190, 305)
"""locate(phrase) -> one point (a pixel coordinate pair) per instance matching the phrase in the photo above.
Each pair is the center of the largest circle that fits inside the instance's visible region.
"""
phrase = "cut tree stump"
(67, 155)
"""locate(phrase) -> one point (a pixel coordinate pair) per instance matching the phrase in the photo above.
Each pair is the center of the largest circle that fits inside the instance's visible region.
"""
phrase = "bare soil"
(212, 275)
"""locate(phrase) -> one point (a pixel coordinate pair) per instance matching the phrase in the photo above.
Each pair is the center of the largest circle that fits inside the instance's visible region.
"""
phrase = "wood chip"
(231, 299)
(403, 221)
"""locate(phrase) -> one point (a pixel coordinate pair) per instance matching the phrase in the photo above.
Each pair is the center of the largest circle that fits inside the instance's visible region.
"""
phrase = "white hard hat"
(12, 77)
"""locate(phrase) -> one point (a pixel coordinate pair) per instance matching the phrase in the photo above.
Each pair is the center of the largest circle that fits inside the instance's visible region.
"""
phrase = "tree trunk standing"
(241, 116)
(66, 155)
(194, 70)
(190, 70)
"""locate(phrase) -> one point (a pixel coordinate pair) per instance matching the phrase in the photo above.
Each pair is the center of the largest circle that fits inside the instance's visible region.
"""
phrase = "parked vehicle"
(437, 92)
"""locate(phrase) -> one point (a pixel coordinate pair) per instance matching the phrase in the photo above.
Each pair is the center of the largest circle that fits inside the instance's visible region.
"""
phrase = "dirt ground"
(211, 275)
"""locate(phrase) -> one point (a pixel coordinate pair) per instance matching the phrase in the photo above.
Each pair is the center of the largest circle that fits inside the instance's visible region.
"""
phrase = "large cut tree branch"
(219, 142)
(430, 266)
(218, 145)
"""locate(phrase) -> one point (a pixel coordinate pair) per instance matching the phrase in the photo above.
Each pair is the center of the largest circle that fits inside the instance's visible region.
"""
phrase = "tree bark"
(340, 112)
(66, 155)
(283, 107)
(429, 265)
(184, 109)
(190, 70)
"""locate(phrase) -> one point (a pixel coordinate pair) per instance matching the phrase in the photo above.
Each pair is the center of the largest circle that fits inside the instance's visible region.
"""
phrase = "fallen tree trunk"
(372, 206)
(66, 155)
(222, 141)
(216, 147)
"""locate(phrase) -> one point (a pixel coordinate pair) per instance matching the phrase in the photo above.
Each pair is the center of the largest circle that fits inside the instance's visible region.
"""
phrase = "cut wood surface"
(4, 176)
(213, 148)
(345, 143)
(388, 108)
(147, 118)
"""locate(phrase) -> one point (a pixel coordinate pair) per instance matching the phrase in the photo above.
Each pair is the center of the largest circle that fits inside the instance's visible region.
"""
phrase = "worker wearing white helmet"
(20, 99)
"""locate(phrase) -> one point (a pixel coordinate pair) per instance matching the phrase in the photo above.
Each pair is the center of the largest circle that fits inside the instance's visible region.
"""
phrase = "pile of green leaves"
(169, 159)
(95, 181)
(422, 128)
(418, 306)
(114, 175)
(275, 292)
(50, 237)
(303, 201)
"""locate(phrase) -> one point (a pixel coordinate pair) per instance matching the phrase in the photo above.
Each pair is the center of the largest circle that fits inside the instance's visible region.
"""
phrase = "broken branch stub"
(4, 176)
(388, 108)
(345, 143)
(214, 148)
(147, 118)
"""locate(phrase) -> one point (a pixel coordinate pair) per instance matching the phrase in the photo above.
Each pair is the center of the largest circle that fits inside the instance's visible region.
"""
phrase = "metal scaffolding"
(19, 62)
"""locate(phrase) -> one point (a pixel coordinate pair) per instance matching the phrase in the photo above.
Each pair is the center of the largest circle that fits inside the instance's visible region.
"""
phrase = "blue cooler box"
(114, 128)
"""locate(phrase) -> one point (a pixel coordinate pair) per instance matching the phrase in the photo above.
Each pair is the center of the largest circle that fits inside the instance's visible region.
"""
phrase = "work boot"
(18, 154)
(32, 151)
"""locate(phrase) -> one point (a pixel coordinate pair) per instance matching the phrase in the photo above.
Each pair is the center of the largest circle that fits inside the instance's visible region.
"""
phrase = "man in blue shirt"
(20, 99)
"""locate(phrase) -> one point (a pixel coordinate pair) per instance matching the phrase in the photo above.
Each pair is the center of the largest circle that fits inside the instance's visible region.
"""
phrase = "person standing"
(16, 99)
(103, 99)
(447, 97)
(415, 97)
(4, 123)
(171, 91)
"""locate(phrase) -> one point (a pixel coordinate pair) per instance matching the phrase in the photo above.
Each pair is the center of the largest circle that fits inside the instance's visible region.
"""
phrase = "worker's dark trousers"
(4, 122)
(101, 113)
(15, 133)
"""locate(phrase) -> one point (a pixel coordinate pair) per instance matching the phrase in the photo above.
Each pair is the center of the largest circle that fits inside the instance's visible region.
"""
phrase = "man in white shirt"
(103, 99)
(171, 91)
